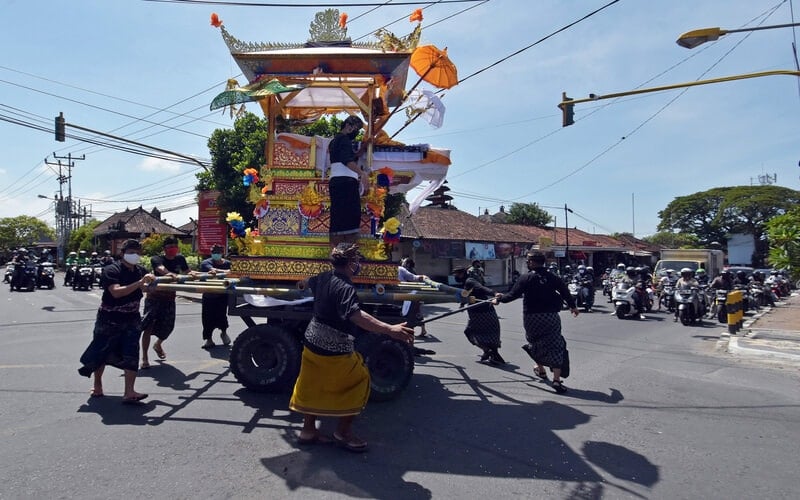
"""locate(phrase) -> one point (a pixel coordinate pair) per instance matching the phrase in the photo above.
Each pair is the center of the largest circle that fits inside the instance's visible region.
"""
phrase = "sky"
(148, 70)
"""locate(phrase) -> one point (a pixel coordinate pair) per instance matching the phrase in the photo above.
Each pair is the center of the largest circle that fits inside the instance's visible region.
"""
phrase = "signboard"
(480, 251)
(210, 230)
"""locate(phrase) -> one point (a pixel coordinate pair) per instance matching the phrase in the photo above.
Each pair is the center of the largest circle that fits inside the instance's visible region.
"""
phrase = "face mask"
(132, 258)
(216, 256)
(171, 252)
(357, 269)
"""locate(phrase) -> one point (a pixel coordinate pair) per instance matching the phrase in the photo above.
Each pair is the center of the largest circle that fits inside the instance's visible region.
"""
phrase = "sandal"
(352, 444)
(542, 374)
(558, 386)
(160, 352)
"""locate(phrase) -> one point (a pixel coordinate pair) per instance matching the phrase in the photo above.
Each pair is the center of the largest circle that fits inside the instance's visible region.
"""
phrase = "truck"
(693, 258)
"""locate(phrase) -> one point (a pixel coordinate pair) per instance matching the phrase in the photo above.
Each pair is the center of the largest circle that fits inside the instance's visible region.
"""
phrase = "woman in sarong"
(333, 380)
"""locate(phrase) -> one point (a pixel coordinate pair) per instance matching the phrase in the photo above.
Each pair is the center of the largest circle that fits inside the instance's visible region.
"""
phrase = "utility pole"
(566, 232)
(66, 204)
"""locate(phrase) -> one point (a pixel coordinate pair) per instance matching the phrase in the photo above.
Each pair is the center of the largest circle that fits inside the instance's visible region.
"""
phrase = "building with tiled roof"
(137, 223)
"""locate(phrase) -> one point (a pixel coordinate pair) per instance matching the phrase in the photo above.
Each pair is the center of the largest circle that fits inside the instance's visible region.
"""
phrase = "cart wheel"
(390, 363)
(265, 358)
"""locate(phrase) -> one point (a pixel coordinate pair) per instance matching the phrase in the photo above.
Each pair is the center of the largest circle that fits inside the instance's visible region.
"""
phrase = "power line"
(300, 5)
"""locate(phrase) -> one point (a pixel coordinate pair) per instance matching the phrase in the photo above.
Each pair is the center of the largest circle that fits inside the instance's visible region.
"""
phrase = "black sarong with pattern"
(543, 333)
(483, 328)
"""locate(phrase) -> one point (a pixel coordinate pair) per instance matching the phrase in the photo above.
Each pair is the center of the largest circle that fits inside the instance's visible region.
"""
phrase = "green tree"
(712, 215)
(82, 238)
(668, 239)
(23, 230)
(232, 151)
(783, 233)
(528, 214)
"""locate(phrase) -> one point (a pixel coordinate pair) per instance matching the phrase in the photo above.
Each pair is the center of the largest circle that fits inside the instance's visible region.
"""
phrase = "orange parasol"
(433, 66)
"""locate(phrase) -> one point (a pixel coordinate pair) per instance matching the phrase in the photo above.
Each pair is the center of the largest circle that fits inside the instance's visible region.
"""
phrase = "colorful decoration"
(215, 20)
(250, 176)
(310, 203)
(391, 231)
(384, 177)
(343, 20)
(375, 200)
(416, 16)
(261, 208)
(234, 219)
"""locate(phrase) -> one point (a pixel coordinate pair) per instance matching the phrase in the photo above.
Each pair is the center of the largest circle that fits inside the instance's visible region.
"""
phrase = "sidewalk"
(772, 334)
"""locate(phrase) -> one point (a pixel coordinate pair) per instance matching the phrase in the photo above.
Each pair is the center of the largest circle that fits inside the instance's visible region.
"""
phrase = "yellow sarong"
(331, 386)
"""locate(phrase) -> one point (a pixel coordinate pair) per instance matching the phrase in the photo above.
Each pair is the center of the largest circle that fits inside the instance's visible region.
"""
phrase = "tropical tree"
(783, 233)
(668, 239)
(23, 230)
(528, 214)
(712, 215)
(82, 238)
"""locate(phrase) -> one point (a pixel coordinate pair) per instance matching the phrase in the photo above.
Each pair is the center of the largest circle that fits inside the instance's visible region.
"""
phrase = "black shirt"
(176, 265)
(341, 149)
(122, 309)
(544, 292)
(480, 292)
(335, 300)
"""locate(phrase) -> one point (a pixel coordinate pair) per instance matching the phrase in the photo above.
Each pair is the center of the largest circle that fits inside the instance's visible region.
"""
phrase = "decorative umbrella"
(253, 92)
(426, 104)
(433, 66)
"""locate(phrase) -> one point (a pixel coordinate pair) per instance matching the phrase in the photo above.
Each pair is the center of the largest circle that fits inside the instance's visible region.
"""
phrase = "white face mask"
(132, 258)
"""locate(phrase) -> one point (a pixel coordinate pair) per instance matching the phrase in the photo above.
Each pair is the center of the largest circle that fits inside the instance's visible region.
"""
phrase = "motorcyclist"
(553, 268)
(741, 279)
(71, 262)
(94, 259)
(702, 276)
(106, 259)
(723, 282)
(618, 272)
(83, 259)
(668, 279)
(19, 262)
(476, 271)
(632, 278)
(566, 276)
(687, 282)
(585, 281)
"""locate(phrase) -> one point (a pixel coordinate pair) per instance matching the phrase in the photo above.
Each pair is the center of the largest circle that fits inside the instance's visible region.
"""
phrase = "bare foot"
(96, 392)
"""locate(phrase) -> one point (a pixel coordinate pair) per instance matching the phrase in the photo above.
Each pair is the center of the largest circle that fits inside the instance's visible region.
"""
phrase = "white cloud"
(159, 165)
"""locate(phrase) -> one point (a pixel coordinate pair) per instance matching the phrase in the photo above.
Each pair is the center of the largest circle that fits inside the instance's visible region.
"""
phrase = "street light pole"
(692, 39)
(566, 232)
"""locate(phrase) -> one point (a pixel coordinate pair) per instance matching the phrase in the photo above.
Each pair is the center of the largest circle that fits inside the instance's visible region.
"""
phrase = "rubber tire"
(390, 363)
(621, 313)
(266, 358)
(685, 319)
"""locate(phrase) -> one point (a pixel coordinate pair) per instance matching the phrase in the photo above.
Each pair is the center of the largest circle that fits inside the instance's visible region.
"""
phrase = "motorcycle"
(608, 286)
(625, 300)
(69, 275)
(9, 273)
(83, 278)
(25, 278)
(668, 297)
(46, 276)
(720, 309)
(691, 307)
(584, 293)
(97, 272)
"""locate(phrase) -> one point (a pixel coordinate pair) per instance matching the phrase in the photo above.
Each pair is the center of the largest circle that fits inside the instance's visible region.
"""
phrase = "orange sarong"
(331, 386)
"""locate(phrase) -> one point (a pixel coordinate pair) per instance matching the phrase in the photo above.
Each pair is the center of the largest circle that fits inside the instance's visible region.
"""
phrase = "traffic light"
(60, 128)
(567, 110)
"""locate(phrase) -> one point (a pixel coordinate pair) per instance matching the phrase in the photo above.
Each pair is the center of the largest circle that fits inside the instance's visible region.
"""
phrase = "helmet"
(726, 273)
(82, 252)
(630, 271)
(687, 272)
(773, 272)
(645, 270)
(45, 251)
(608, 270)
(73, 254)
(590, 269)
(621, 266)
(701, 272)
(670, 271)
(567, 269)
(23, 250)
(553, 265)
(94, 254)
(581, 269)
(741, 275)
(107, 252)
(758, 275)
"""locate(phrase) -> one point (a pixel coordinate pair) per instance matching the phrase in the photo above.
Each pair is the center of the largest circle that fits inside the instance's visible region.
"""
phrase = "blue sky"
(148, 70)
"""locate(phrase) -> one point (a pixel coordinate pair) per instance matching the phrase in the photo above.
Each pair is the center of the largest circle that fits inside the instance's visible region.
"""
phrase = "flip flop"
(95, 394)
(136, 400)
(350, 445)
(160, 352)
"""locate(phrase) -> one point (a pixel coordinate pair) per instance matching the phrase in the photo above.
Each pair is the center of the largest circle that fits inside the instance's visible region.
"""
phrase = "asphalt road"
(654, 411)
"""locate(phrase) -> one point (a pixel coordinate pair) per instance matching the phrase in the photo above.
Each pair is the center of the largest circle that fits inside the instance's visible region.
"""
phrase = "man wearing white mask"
(115, 339)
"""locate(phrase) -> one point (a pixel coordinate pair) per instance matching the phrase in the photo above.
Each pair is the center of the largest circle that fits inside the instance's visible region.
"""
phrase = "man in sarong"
(333, 380)
(116, 332)
(483, 326)
(544, 295)
(346, 184)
